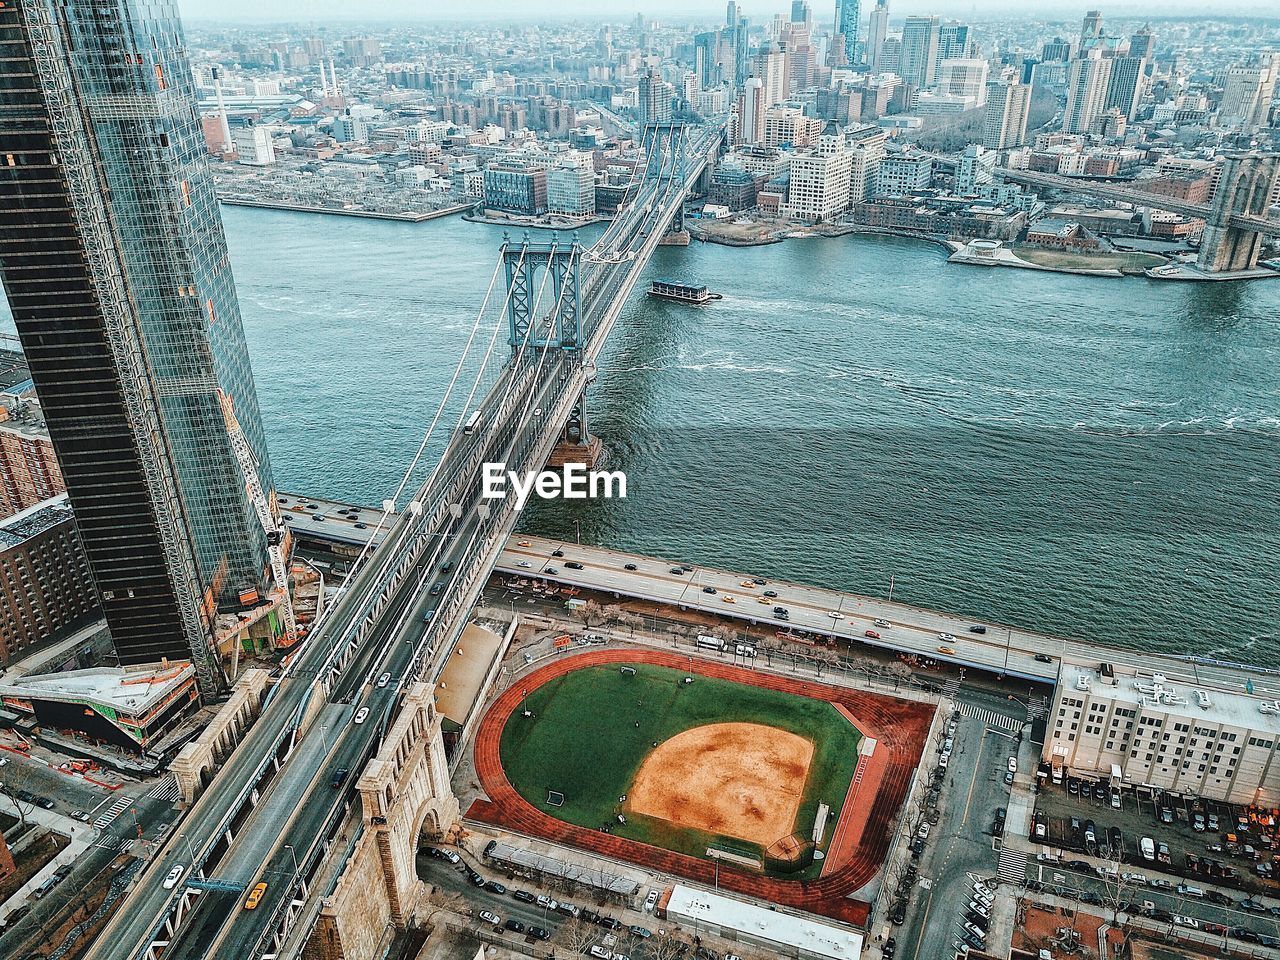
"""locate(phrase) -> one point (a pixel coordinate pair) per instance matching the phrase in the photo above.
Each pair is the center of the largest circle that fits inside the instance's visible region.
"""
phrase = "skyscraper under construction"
(115, 265)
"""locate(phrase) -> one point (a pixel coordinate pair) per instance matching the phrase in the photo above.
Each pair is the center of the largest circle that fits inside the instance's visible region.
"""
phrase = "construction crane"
(270, 524)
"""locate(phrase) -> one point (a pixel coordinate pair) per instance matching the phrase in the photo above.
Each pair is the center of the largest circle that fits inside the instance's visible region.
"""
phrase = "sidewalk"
(81, 835)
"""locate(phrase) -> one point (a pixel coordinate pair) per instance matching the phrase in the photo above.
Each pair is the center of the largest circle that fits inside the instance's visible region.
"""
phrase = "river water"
(1090, 457)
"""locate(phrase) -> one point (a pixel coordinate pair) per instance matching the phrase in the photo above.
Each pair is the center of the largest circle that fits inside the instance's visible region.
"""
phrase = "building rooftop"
(812, 938)
(32, 521)
(132, 692)
(1253, 706)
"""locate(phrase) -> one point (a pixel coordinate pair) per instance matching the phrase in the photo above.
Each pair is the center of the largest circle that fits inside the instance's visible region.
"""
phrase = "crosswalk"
(950, 687)
(120, 844)
(1012, 867)
(1037, 707)
(113, 811)
(166, 789)
(989, 717)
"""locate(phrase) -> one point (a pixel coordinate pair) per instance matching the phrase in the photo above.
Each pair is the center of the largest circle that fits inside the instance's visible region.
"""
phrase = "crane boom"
(270, 525)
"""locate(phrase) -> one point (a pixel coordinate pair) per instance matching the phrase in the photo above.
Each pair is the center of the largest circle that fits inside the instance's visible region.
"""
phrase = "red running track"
(899, 726)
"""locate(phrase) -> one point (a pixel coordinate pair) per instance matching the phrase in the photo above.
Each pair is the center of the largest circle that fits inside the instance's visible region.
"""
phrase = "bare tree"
(667, 944)
(576, 935)
(590, 613)
(613, 613)
(17, 778)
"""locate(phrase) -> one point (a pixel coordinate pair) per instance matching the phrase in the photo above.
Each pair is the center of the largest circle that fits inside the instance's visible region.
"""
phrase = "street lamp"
(293, 856)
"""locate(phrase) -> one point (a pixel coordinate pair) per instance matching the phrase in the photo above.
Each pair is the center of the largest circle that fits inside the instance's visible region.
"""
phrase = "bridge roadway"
(389, 619)
(1125, 192)
(912, 629)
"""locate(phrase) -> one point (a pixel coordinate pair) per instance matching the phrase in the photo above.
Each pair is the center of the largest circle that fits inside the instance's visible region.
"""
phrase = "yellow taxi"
(255, 897)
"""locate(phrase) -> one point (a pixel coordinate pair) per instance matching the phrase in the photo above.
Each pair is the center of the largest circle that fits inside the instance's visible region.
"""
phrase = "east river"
(1089, 457)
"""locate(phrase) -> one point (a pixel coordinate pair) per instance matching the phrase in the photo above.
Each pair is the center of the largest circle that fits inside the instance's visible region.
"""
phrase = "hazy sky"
(321, 10)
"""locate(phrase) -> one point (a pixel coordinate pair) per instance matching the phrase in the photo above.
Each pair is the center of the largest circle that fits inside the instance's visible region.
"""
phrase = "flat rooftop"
(24, 525)
(1206, 699)
(132, 691)
(810, 938)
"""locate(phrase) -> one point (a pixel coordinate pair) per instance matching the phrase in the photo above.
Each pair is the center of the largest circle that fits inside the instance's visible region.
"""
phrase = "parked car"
(490, 917)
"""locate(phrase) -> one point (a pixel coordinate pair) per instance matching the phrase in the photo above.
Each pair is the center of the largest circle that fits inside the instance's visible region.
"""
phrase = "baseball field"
(638, 751)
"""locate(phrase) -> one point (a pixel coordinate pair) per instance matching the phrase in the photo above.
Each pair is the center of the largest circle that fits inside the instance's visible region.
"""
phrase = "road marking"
(991, 718)
(1012, 867)
(977, 765)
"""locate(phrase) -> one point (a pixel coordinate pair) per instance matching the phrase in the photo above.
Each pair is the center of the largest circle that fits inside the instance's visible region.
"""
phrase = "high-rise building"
(866, 149)
(46, 590)
(1247, 93)
(848, 22)
(1124, 90)
(953, 41)
(1143, 43)
(571, 186)
(903, 173)
(1091, 29)
(1005, 122)
(819, 178)
(655, 97)
(919, 58)
(1057, 49)
(29, 471)
(751, 111)
(709, 62)
(963, 78)
(770, 65)
(1087, 82)
(735, 36)
(877, 31)
(801, 13)
(116, 269)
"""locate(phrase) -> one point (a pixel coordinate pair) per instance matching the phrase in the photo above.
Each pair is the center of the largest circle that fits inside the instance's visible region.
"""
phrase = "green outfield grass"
(582, 741)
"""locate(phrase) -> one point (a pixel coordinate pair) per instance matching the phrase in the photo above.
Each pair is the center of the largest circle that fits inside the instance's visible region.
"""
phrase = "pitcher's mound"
(742, 780)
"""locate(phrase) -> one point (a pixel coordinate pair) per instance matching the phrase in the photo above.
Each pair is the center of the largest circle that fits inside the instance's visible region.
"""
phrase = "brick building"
(46, 589)
(29, 471)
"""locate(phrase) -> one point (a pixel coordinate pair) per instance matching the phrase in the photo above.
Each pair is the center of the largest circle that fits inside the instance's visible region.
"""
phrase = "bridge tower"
(553, 268)
(1246, 185)
(676, 235)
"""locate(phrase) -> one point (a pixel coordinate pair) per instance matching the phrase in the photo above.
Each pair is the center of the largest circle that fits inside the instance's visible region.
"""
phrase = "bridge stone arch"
(1245, 186)
(403, 790)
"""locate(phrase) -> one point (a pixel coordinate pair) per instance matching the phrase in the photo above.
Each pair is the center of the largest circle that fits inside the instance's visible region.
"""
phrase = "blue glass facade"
(116, 266)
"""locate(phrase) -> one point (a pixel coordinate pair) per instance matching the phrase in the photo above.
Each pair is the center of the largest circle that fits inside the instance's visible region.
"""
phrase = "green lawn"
(582, 741)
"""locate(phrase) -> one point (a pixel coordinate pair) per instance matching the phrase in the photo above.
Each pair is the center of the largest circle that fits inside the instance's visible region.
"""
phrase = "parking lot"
(1197, 840)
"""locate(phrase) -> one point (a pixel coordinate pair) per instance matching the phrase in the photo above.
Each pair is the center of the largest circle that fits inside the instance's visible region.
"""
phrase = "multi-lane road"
(945, 637)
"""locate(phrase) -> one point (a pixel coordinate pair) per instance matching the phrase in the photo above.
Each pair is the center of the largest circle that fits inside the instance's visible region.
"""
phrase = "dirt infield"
(742, 780)
(899, 726)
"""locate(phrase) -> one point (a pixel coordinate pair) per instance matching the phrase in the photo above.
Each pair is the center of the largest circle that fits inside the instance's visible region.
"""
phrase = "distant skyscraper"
(801, 13)
(751, 111)
(654, 99)
(769, 64)
(1091, 29)
(1087, 82)
(919, 58)
(1124, 89)
(115, 266)
(1142, 44)
(1057, 49)
(848, 22)
(1005, 122)
(1247, 93)
(735, 36)
(953, 41)
(877, 30)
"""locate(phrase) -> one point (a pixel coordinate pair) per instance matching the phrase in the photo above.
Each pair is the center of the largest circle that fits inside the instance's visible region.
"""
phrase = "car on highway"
(771, 594)
(872, 634)
(629, 566)
(557, 553)
(881, 622)
(384, 680)
(946, 650)
(835, 614)
(977, 628)
(945, 637)
(524, 563)
(340, 777)
(1043, 658)
(708, 589)
(173, 876)
(255, 896)
(523, 543)
(551, 571)
(572, 565)
(361, 714)
(728, 599)
(489, 917)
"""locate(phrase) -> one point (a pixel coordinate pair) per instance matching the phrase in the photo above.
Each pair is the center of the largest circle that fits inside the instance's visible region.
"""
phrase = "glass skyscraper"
(848, 23)
(115, 265)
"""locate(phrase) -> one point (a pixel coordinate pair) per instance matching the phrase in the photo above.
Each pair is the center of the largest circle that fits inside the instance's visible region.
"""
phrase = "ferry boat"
(682, 292)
